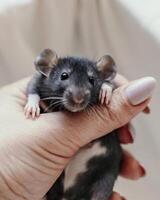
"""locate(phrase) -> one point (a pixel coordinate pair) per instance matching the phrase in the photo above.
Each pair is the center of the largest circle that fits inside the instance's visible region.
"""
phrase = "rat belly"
(91, 173)
(78, 164)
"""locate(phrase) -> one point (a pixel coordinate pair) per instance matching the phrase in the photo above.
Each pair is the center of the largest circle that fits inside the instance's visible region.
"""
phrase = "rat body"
(75, 84)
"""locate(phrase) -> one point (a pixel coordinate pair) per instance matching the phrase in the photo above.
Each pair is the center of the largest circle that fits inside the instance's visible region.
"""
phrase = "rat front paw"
(32, 110)
(105, 94)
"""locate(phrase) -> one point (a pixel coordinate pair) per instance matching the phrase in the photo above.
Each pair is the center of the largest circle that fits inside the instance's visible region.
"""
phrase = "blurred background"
(128, 30)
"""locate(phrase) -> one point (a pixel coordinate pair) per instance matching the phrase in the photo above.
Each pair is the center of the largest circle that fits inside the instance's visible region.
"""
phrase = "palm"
(36, 149)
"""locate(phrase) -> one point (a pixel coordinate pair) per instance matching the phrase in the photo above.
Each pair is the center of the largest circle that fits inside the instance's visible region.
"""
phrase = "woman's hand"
(34, 153)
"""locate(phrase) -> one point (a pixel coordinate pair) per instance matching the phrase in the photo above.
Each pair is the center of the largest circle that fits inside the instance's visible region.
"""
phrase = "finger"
(126, 134)
(131, 168)
(121, 80)
(127, 101)
(116, 196)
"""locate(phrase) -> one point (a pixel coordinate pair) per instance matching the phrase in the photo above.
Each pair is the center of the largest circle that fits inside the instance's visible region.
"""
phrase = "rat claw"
(31, 110)
(108, 96)
(33, 113)
(38, 111)
(103, 97)
(28, 111)
(106, 93)
(100, 94)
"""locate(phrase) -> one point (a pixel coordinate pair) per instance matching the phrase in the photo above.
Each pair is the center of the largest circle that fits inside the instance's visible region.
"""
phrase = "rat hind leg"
(102, 189)
(90, 187)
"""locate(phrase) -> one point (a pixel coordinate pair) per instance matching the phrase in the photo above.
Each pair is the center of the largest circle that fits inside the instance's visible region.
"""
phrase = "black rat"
(75, 84)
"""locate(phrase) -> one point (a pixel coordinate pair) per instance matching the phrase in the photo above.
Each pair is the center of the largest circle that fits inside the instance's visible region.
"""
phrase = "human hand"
(34, 153)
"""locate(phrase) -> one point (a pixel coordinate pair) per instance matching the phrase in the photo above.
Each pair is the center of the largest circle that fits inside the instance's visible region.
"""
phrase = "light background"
(127, 29)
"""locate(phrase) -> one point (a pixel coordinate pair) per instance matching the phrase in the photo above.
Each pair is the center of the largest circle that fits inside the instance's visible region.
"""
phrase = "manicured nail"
(140, 90)
(142, 171)
(147, 110)
(130, 138)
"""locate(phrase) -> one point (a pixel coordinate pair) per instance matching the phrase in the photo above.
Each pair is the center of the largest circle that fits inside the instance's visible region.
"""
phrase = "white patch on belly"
(78, 163)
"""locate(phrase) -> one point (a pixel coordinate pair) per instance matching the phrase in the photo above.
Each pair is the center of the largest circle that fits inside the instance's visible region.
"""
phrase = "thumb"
(131, 99)
(127, 101)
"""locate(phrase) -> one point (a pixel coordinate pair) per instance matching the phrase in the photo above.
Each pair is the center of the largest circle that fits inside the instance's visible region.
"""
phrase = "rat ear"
(107, 67)
(46, 61)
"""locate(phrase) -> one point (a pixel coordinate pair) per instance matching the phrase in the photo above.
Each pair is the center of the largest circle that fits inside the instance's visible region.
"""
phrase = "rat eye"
(91, 79)
(64, 76)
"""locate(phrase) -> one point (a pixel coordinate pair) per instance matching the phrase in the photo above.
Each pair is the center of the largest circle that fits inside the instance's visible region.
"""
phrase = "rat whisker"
(48, 107)
(91, 111)
(54, 104)
(92, 108)
(49, 98)
(87, 110)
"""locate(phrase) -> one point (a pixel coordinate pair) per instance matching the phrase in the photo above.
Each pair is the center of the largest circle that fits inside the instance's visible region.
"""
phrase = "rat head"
(75, 81)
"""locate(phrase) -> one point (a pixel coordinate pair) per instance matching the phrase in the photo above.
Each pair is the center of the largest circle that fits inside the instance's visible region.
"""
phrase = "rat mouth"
(75, 107)
(76, 101)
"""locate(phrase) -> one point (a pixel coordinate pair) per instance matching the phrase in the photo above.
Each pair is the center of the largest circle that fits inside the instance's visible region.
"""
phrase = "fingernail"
(142, 171)
(140, 90)
(131, 140)
(147, 110)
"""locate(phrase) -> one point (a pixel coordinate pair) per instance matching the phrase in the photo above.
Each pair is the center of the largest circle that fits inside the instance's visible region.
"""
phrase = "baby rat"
(45, 63)
(75, 84)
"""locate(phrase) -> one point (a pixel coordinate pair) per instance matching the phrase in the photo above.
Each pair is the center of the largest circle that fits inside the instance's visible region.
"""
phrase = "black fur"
(102, 172)
(98, 181)
(53, 86)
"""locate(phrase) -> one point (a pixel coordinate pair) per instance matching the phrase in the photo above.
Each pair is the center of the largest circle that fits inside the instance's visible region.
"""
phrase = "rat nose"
(78, 96)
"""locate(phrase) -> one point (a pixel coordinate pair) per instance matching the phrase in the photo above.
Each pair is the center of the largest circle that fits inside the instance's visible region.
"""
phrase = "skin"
(33, 153)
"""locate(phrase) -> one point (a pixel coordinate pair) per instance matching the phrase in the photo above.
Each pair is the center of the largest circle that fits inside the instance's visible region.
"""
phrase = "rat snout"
(78, 96)
(76, 99)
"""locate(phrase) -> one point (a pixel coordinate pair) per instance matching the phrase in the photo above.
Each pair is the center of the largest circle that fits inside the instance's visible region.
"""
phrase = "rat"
(75, 84)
